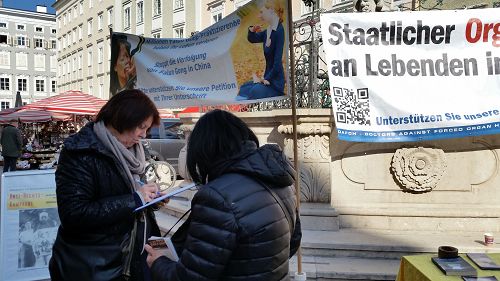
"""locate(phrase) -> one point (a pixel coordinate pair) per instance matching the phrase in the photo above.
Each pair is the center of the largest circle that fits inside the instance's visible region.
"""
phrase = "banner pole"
(294, 123)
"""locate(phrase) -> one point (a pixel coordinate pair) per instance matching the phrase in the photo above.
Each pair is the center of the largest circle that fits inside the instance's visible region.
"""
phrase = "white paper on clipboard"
(168, 195)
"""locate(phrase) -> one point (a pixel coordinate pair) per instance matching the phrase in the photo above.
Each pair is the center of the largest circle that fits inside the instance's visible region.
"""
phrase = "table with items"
(421, 268)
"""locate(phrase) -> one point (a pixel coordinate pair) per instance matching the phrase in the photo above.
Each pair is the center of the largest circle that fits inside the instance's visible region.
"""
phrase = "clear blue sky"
(29, 5)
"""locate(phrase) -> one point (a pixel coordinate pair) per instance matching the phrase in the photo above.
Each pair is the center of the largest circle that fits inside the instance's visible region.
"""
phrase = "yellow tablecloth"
(421, 268)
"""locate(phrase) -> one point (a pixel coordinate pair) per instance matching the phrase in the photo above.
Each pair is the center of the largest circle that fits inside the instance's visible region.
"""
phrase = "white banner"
(240, 59)
(29, 223)
(412, 76)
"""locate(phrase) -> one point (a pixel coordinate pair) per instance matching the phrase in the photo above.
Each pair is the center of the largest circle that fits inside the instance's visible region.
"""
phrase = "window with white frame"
(4, 39)
(74, 64)
(89, 59)
(79, 61)
(22, 84)
(178, 4)
(99, 21)
(40, 62)
(80, 32)
(39, 85)
(89, 63)
(53, 63)
(101, 90)
(21, 27)
(59, 20)
(53, 44)
(217, 12)
(156, 7)
(4, 59)
(156, 35)
(4, 83)
(21, 41)
(53, 31)
(3, 25)
(89, 27)
(140, 12)
(89, 82)
(110, 16)
(75, 11)
(100, 55)
(100, 58)
(91, 4)
(22, 60)
(81, 7)
(126, 17)
(179, 32)
(38, 29)
(74, 36)
(4, 105)
(38, 42)
(53, 86)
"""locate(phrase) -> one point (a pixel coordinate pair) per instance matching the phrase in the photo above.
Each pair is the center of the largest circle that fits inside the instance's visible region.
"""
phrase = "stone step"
(344, 268)
(388, 244)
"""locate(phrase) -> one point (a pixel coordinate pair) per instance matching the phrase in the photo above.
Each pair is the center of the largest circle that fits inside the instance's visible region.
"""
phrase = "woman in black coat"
(237, 229)
(98, 187)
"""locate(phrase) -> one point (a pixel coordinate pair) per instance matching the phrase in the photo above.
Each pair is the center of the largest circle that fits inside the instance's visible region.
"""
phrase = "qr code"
(353, 106)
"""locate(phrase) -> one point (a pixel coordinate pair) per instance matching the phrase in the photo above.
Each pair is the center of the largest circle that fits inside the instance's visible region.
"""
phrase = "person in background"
(98, 187)
(11, 141)
(237, 229)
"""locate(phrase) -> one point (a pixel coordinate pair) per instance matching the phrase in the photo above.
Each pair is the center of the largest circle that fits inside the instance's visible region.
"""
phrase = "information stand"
(29, 223)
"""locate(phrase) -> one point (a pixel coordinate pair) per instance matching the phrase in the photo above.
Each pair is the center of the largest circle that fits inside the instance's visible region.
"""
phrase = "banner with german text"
(413, 76)
(243, 58)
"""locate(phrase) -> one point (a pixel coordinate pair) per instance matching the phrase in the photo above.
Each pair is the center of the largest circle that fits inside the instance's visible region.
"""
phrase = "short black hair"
(127, 110)
(216, 136)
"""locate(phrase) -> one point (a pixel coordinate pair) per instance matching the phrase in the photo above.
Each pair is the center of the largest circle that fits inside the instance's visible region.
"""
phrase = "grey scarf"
(132, 159)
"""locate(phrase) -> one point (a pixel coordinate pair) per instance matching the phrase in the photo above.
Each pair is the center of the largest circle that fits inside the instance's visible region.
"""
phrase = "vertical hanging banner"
(412, 76)
(240, 59)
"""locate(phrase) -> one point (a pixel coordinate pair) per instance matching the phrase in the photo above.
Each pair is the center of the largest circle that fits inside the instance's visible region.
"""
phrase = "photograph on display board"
(261, 33)
(37, 233)
(123, 74)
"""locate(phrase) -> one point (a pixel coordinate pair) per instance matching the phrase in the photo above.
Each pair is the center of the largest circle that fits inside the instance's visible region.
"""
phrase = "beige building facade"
(83, 35)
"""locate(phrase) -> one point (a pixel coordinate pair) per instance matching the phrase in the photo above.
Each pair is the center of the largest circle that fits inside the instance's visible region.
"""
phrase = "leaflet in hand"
(168, 195)
(164, 246)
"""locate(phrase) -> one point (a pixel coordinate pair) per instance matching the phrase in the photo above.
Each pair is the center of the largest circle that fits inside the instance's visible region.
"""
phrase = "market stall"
(46, 123)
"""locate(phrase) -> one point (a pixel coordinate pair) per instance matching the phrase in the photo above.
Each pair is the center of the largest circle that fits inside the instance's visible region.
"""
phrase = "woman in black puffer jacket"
(237, 230)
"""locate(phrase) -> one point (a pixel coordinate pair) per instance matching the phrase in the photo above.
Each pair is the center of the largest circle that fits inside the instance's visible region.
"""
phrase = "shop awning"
(166, 113)
(26, 115)
(71, 102)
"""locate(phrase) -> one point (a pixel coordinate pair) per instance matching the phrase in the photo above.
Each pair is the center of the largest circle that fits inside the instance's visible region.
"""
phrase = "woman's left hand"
(152, 255)
(265, 82)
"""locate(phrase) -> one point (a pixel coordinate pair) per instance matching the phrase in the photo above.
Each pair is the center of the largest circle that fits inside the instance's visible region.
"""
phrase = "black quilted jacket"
(237, 230)
(95, 203)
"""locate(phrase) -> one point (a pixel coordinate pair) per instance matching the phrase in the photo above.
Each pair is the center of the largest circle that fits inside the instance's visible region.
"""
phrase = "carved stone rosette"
(418, 169)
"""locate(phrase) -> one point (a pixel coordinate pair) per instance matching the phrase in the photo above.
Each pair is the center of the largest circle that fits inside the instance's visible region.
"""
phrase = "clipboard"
(168, 195)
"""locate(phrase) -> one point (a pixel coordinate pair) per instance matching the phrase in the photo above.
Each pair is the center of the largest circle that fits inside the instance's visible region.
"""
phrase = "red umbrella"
(26, 115)
(72, 102)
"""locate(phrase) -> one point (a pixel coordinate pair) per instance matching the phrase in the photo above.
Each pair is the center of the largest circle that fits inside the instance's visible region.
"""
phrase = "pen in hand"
(141, 183)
